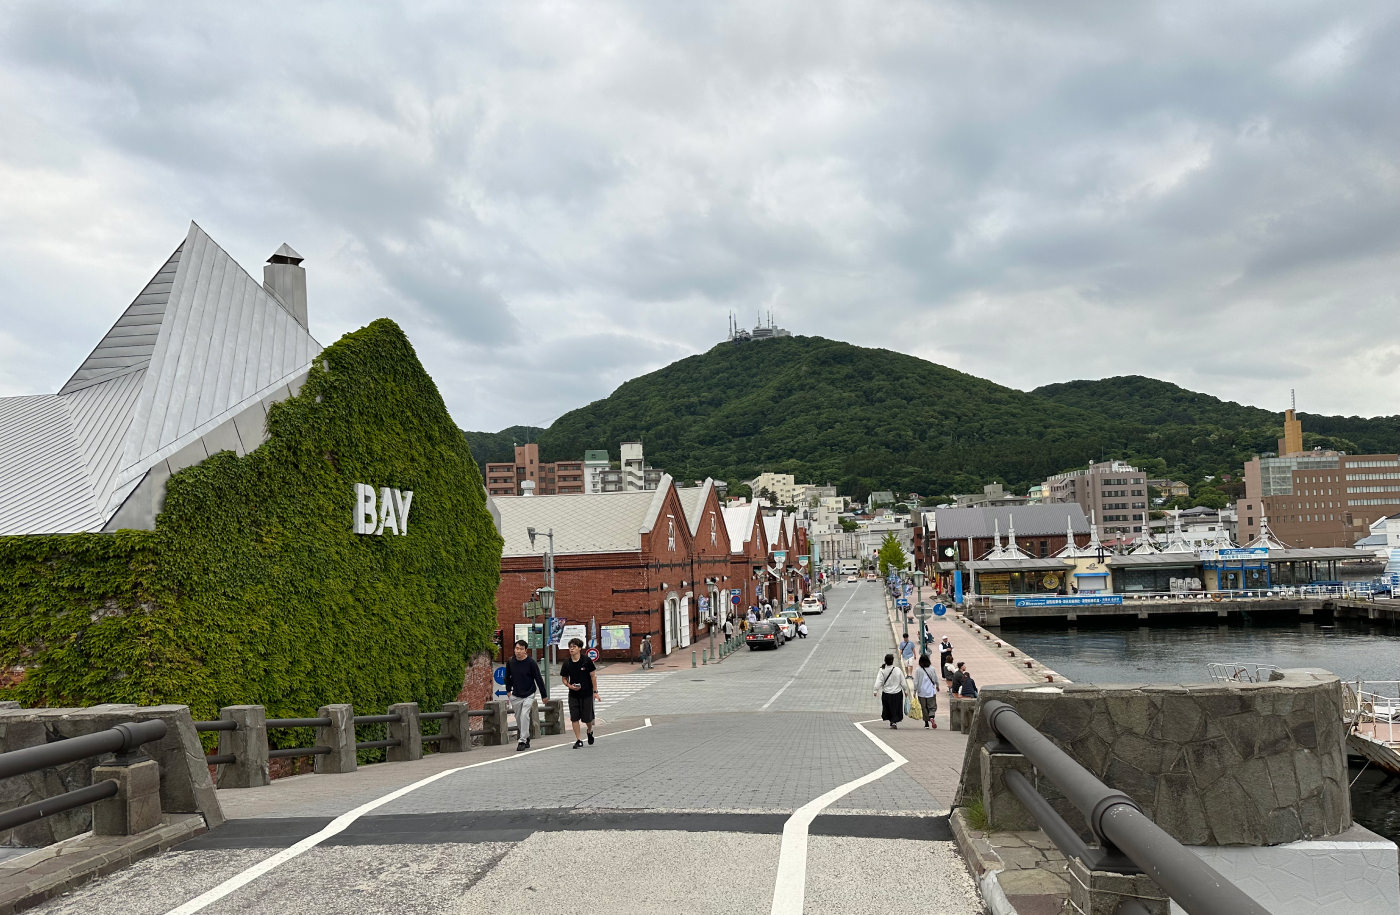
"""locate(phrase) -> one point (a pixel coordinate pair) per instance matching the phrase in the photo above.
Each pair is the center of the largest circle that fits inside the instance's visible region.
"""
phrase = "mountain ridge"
(866, 418)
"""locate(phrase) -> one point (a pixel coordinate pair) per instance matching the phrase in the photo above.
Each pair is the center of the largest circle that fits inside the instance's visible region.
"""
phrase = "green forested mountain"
(493, 447)
(867, 419)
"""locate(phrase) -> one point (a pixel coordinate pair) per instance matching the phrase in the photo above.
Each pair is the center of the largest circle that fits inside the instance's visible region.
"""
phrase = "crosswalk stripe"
(613, 689)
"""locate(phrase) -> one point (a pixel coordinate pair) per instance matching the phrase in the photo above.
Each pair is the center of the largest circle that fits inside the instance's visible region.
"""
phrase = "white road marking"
(339, 825)
(613, 688)
(815, 643)
(790, 886)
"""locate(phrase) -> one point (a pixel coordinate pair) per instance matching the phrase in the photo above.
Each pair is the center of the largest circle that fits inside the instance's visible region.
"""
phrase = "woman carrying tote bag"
(889, 686)
(926, 688)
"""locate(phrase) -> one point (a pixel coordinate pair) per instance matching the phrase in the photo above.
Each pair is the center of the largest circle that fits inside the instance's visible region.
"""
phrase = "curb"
(49, 872)
(1037, 671)
(982, 862)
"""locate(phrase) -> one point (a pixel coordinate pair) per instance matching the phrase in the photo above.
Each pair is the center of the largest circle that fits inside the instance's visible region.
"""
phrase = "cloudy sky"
(554, 198)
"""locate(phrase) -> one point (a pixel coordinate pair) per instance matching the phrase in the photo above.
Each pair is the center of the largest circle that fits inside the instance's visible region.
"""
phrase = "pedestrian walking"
(728, 629)
(889, 686)
(926, 688)
(580, 675)
(802, 629)
(646, 652)
(906, 651)
(522, 681)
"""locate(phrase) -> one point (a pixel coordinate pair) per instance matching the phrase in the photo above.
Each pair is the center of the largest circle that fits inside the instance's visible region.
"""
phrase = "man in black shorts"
(580, 675)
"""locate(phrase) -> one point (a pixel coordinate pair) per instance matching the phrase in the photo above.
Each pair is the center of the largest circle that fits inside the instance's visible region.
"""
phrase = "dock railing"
(1373, 709)
(1128, 840)
(1359, 591)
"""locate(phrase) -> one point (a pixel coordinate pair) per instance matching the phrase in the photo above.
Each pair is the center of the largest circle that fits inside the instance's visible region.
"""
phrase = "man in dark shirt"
(522, 680)
(968, 687)
(580, 675)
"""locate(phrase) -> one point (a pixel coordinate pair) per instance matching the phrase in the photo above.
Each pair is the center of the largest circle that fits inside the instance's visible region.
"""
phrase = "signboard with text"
(1080, 601)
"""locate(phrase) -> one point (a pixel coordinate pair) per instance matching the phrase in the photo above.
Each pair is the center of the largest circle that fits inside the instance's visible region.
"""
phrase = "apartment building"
(550, 478)
(1317, 498)
(1113, 493)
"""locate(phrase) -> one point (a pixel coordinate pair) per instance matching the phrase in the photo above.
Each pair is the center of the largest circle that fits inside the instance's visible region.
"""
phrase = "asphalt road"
(741, 787)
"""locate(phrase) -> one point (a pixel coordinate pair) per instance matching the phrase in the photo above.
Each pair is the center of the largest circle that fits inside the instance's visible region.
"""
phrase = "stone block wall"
(1213, 764)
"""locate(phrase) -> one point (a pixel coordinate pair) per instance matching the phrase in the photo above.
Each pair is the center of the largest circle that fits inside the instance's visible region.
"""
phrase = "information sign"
(615, 638)
(579, 632)
(902, 603)
(939, 609)
(1080, 601)
(499, 675)
(532, 633)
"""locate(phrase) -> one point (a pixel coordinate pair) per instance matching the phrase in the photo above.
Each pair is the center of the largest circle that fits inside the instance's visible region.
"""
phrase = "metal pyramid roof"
(201, 344)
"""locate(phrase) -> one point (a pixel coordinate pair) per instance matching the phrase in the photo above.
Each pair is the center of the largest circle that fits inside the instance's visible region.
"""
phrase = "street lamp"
(546, 604)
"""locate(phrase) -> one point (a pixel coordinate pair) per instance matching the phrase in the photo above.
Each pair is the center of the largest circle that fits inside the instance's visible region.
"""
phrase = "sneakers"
(925, 724)
(577, 744)
(933, 724)
(520, 746)
(590, 738)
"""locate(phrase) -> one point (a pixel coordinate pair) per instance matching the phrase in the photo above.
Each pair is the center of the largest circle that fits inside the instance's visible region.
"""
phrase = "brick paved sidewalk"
(989, 665)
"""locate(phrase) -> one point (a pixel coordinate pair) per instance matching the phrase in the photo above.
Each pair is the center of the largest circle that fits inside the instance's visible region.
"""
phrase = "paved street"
(681, 806)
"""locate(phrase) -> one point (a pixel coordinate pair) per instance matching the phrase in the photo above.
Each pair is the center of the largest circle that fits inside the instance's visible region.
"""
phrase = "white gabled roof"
(771, 525)
(201, 343)
(595, 522)
(738, 521)
(693, 499)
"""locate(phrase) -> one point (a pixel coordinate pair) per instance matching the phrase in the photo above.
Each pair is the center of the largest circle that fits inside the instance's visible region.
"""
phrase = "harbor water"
(1179, 654)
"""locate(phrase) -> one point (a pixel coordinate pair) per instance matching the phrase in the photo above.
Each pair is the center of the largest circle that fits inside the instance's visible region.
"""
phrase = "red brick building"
(634, 559)
(748, 554)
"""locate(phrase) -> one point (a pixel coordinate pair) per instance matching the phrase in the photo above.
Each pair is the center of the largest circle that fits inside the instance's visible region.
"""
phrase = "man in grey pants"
(522, 681)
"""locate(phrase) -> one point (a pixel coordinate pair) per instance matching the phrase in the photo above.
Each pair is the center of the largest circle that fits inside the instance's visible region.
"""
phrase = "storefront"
(1156, 573)
(1001, 577)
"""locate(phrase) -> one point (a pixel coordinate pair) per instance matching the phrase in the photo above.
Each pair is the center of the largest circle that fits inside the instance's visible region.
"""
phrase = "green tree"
(848, 525)
(891, 555)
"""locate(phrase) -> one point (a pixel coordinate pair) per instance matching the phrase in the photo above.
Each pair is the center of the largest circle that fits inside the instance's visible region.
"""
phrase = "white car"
(787, 625)
(812, 605)
(852, 579)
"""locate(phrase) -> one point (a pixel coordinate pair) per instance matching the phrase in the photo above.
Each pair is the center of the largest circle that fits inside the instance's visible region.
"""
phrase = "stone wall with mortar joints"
(1212, 764)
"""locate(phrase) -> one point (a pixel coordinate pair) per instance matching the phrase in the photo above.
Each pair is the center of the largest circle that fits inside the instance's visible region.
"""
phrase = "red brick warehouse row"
(664, 563)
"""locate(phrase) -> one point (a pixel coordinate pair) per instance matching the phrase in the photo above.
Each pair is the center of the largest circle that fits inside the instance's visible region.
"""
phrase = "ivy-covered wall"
(253, 588)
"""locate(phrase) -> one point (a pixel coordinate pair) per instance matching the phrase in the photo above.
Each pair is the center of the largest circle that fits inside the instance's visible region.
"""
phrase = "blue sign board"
(1068, 601)
(1233, 555)
(734, 598)
(500, 675)
(939, 609)
(957, 586)
(902, 602)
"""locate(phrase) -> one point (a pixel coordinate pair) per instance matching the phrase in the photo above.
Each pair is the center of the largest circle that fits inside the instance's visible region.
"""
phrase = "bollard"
(692, 659)
(497, 727)
(457, 730)
(136, 806)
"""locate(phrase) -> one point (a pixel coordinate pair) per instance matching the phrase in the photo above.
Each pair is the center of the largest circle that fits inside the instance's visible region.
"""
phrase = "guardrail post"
(1004, 812)
(136, 807)
(408, 730)
(339, 736)
(1101, 892)
(248, 745)
(497, 725)
(552, 716)
(457, 730)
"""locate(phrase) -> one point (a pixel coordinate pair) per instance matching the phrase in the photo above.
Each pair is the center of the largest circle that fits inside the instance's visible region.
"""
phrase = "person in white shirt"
(926, 687)
(889, 686)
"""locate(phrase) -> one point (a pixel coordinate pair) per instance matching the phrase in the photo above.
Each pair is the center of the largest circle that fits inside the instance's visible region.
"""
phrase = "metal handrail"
(122, 738)
(1120, 825)
(299, 722)
(222, 724)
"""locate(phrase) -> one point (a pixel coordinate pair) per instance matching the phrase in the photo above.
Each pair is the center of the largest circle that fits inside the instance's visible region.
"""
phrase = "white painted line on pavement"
(815, 643)
(339, 825)
(790, 887)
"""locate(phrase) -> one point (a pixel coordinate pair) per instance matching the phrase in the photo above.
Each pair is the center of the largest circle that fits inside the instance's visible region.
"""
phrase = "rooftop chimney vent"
(285, 278)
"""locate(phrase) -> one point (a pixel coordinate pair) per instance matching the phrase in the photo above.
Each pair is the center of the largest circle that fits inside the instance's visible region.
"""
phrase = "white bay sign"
(386, 510)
